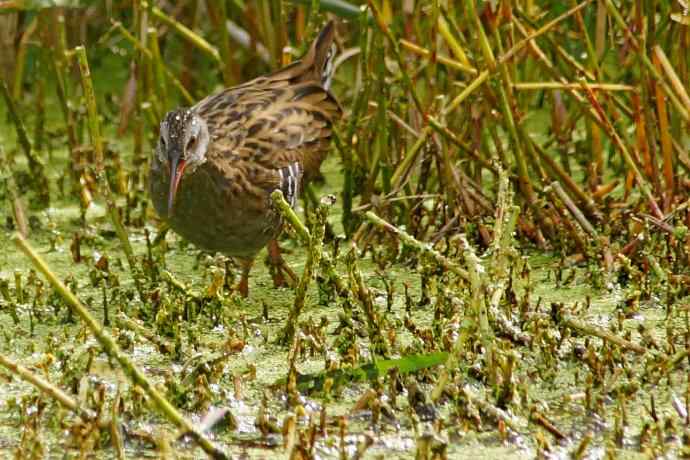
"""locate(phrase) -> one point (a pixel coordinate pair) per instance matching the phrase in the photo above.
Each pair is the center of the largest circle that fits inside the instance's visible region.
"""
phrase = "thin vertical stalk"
(97, 142)
(37, 167)
(16, 203)
(642, 182)
(524, 181)
(159, 71)
(219, 17)
(187, 34)
(665, 137)
(683, 110)
(20, 59)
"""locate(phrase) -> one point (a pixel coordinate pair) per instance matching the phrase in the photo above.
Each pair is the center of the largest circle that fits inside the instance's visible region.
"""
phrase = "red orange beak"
(176, 171)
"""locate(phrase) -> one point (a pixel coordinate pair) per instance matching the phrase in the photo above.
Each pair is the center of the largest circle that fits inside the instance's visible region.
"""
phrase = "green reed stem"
(113, 350)
(340, 8)
(97, 142)
(221, 15)
(630, 162)
(170, 76)
(48, 389)
(37, 167)
(418, 245)
(14, 197)
(187, 34)
(286, 335)
(398, 56)
(290, 215)
(159, 70)
(484, 75)
(641, 52)
(524, 181)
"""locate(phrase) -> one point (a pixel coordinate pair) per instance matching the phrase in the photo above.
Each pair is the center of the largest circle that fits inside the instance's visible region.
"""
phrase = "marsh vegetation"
(494, 263)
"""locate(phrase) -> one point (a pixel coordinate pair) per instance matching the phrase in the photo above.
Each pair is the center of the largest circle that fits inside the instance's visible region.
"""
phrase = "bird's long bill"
(176, 170)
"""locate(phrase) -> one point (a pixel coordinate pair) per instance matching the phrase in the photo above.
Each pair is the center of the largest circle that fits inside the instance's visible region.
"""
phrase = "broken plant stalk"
(598, 332)
(289, 214)
(418, 245)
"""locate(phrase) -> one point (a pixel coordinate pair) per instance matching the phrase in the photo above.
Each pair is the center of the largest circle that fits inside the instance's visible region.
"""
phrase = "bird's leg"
(278, 267)
(243, 287)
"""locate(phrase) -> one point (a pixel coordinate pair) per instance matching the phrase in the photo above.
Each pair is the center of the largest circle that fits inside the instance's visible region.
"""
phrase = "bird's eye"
(191, 143)
(162, 142)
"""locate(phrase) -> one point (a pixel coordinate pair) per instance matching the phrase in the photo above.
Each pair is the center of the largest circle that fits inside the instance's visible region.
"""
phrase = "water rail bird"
(217, 163)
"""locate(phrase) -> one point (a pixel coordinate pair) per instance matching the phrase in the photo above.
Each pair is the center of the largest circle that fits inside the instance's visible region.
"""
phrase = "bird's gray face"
(182, 146)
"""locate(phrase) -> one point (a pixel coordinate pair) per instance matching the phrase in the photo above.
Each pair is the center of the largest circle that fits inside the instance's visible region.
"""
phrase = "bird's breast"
(211, 211)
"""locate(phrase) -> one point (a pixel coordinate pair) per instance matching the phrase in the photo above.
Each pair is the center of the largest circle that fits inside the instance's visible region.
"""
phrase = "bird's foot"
(279, 268)
(243, 285)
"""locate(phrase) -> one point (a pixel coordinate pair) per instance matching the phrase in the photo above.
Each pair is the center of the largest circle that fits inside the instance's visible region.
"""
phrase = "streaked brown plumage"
(217, 162)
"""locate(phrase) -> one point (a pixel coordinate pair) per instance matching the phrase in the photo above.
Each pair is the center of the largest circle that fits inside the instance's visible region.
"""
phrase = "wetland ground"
(504, 272)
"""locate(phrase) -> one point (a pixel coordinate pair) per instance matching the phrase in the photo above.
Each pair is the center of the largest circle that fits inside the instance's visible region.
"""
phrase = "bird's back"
(277, 119)
(269, 133)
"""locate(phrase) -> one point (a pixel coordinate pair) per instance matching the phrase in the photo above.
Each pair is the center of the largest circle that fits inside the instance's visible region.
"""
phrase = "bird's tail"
(321, 54)
(316, 65)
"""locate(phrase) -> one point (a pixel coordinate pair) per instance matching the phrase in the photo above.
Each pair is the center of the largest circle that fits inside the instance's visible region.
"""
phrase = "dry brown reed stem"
(541, 419)
(514, 423)
(676, 83)
(613, 134)
(111, 348)
(665, 137)
(127, 323)
(572, 207)
(618, 18)
(586, 200)
(484, 75)
(588, 110)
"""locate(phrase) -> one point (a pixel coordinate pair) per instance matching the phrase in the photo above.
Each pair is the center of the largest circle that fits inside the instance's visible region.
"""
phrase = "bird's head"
(182, 145)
